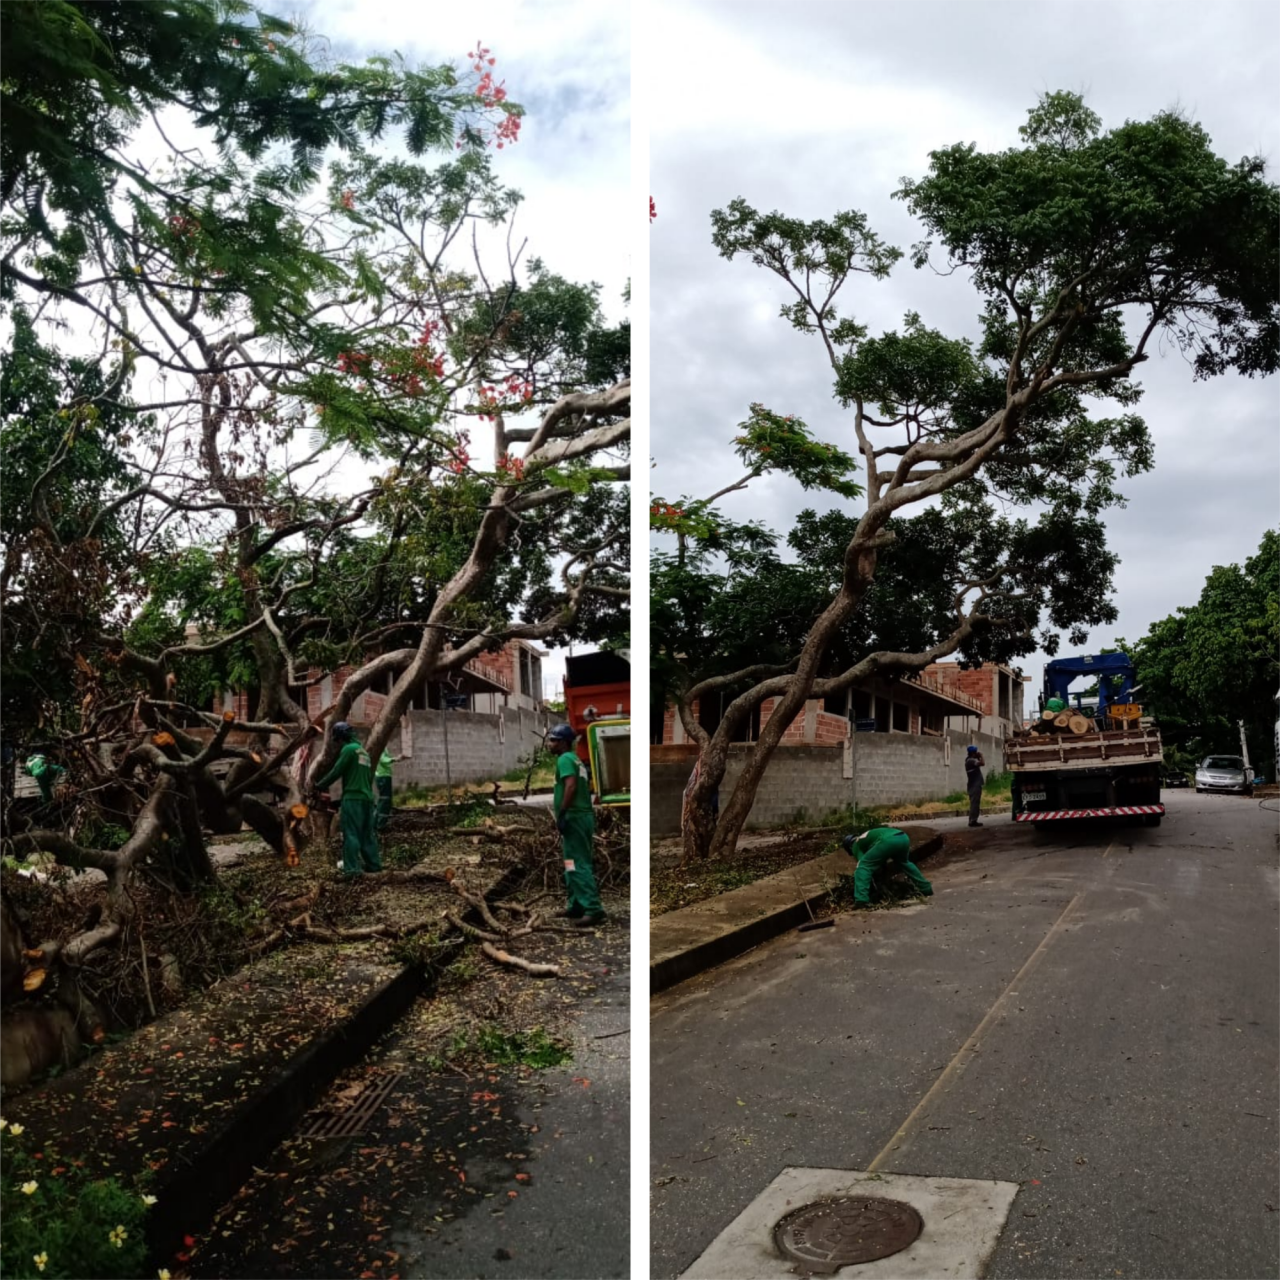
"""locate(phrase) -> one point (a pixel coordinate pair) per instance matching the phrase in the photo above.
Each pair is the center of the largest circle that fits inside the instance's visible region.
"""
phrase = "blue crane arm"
(1059, 674)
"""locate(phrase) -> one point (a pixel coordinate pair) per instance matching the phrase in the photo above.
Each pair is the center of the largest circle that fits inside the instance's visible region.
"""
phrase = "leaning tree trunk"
(733, 816)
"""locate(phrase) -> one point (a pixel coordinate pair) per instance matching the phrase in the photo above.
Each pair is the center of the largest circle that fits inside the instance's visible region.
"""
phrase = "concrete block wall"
(809, 782)
(481, 747)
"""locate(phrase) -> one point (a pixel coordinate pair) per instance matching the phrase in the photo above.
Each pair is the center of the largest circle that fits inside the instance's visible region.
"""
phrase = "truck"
(597, 703)
(1097, 761)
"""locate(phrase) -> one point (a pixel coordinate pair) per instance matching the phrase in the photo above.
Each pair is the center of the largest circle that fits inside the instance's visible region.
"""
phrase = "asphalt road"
(1092, 1014)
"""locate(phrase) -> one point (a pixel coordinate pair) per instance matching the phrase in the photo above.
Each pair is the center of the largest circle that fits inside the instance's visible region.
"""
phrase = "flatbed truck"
(1111, 769)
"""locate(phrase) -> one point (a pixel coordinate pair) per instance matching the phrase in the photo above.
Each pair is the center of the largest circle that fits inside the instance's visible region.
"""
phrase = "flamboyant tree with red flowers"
(263, 417)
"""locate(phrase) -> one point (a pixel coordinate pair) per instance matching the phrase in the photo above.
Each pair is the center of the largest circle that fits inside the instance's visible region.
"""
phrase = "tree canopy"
(1210, 665)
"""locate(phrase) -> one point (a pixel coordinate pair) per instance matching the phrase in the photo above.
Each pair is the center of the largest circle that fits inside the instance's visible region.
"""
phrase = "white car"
(1224, 773)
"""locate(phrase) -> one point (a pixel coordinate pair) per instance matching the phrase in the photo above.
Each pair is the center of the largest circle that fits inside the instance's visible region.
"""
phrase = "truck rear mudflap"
(1124, 810)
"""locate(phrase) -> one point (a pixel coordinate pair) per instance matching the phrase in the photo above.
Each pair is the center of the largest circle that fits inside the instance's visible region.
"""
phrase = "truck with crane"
(1102, 760)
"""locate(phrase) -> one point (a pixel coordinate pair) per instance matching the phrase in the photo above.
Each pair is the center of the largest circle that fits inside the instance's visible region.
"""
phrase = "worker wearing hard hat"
(973, 763)
(874, 849)
(577, 827)
(354, 770)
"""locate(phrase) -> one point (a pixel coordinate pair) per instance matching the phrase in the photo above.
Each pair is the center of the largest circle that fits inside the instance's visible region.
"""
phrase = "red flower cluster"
(515, 388)
(665, 511)
(348, 199)
(489, 93)
(461, 458)
(183, 226)
(508, 131)
(480, 57)
(653, 209)
(511, 466)
(356, 362)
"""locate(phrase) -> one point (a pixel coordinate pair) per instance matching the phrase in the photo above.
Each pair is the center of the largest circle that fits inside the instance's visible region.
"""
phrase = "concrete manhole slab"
(829, 1234)
(962, 1220)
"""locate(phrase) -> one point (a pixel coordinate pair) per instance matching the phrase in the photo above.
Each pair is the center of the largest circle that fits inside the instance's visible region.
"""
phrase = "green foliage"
(822, 253)
(492, 1043)
(1145, 214)
(1211, 664)
(422, 950)
(770, 442)
(79, 77)
(54, 1212)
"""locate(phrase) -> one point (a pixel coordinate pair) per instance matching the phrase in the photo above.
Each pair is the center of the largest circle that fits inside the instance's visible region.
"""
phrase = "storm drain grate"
(356, 1117)
(829, 1234)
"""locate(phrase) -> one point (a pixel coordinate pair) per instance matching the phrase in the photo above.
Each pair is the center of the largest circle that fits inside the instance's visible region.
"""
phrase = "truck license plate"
(1034, 795)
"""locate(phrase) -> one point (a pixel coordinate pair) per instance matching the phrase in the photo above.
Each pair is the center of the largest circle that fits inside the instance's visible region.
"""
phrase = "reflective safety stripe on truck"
(1088, 813)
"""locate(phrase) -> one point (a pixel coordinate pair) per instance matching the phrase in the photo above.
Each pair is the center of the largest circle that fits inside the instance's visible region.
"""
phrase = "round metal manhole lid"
(840, 1232)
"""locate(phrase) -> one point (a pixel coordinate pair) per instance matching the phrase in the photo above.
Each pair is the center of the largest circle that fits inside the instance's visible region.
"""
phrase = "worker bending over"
(873, 849)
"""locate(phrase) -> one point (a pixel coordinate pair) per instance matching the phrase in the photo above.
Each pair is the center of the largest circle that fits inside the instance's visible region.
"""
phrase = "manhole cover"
(829, 1234)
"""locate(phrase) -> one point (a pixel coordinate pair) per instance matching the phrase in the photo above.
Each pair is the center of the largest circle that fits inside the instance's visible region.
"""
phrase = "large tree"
(259, 460)
(1083, 247)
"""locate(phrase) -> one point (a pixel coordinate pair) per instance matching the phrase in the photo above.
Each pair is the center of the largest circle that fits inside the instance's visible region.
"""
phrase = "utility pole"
(1244, 750)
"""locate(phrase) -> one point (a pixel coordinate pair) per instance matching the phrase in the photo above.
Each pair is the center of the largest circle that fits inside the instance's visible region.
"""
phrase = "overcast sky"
(823, 105)
(567, 62)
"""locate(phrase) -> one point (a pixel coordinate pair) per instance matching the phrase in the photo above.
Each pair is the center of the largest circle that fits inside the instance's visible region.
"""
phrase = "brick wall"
(979, 682)
(812, 781)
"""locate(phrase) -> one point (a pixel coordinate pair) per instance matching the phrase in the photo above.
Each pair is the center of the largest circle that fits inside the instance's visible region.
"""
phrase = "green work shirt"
(384, 765)
(875, 836)
(354, 770)
(569, 766)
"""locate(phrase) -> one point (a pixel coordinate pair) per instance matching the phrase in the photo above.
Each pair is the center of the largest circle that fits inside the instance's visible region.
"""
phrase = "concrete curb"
(745, 931)
(195, 1193)
(188, 1198)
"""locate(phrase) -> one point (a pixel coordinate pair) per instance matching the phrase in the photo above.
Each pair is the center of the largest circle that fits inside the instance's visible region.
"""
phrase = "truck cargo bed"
(1058, 751)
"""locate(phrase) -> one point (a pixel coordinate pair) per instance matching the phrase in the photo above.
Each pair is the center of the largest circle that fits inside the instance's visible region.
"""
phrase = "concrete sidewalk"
(685, 942)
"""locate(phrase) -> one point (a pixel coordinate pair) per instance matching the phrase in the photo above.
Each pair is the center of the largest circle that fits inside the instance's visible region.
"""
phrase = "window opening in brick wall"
(882, 713)
(525, 685)
(901, 717)
(535, 679)
(837, 704)
(861, 704)
(1003, 677)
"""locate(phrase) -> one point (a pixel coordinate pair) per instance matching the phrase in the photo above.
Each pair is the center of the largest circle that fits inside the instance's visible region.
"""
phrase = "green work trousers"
(384, 801)
(579, 877)
(893, 849)
(359, 837)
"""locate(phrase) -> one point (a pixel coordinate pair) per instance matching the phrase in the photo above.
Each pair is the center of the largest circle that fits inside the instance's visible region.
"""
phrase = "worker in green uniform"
(577, 827)
(874, 849)
(358, 816)
(382, 779)
(45, 772)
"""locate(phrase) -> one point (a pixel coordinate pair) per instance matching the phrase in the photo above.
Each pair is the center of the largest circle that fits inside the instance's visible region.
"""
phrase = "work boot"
(589, 922)
(569, 913)
(975, 824)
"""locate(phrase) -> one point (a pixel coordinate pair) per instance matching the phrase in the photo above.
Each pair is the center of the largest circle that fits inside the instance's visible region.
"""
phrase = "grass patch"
(490, 1043)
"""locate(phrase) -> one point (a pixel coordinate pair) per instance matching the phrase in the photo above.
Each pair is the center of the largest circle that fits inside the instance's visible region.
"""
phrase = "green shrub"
(57, 1221)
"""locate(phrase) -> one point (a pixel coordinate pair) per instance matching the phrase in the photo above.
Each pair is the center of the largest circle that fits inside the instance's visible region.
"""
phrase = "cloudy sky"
(567, 62)
(824, 105)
